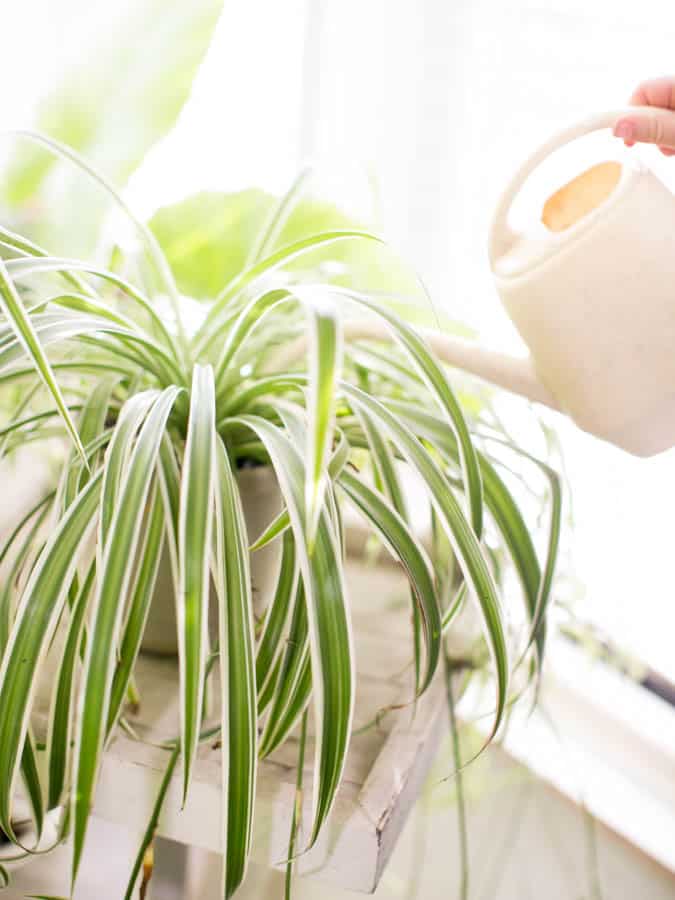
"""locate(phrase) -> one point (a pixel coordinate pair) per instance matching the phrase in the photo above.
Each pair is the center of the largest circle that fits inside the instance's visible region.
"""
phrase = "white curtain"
(443, 98)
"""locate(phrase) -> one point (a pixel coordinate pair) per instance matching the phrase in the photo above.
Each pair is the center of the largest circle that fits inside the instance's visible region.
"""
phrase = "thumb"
(650, 127)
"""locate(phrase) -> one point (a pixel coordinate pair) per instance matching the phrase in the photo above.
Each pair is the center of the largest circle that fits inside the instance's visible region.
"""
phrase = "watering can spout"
(511, 373)
(508, 372)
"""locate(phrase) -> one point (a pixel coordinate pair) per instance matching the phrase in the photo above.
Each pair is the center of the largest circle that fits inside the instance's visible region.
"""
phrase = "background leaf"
(112, 107)
(207, 239)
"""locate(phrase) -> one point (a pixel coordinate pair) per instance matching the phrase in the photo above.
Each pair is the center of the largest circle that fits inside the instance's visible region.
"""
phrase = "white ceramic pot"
(261, 500)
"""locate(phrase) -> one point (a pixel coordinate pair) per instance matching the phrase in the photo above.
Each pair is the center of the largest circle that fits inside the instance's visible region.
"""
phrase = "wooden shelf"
(385, 769)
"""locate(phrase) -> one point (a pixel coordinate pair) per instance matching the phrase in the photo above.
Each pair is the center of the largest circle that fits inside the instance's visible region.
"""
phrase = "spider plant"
(156, 414)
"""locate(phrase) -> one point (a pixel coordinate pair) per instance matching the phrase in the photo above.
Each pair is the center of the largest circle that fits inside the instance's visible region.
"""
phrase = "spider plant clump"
(154, 415)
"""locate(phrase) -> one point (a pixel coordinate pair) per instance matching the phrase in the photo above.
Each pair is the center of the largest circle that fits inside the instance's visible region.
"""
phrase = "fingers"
(654, 127)
(651, 128)
(655, 92)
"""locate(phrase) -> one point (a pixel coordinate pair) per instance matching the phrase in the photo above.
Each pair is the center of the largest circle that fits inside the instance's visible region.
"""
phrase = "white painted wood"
(386, 765)
(171, 869)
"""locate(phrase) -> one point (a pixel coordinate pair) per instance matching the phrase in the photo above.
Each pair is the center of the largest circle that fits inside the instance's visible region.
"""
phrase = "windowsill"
(600, 739)
(606, 743)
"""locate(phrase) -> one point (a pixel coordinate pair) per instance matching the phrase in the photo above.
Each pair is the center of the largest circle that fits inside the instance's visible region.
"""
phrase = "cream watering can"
(593, 297)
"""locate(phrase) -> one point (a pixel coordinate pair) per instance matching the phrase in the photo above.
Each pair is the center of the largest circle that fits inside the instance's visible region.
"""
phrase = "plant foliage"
(154, 416)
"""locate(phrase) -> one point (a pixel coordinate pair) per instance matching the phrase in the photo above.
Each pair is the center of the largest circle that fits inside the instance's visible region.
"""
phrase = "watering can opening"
(580, 196)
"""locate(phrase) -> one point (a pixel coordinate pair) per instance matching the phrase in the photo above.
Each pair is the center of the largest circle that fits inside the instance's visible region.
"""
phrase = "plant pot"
(261, 501)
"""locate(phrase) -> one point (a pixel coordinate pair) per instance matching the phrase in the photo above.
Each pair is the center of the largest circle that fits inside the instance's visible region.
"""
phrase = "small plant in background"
(169, 368)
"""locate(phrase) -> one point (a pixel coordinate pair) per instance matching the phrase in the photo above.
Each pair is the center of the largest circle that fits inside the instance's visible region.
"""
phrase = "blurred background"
(415, 114)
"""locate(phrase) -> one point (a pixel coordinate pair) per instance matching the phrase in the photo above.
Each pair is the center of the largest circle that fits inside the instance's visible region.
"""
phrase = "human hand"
(657, 127)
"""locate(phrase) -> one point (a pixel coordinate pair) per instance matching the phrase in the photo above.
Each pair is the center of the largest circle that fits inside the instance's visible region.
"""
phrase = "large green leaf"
(112, 107)
(210, 238)
(207, 237)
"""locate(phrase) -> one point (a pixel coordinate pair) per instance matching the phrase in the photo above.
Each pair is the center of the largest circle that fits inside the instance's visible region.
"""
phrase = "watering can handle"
(501, 234)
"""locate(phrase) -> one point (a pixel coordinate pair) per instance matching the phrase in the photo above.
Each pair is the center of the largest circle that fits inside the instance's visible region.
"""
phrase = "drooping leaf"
(38, 612)
(30, 773)
(12, 308)
(507, 515)
(237, 671)
(194, 546)
(59, 733)
(329, 625)
(325, 365)
(139, 607)
(132, 415)
(23, 268)
(293, 682)
(398, 537)
(277, 613)
(115, 574)
(465, 545)
(90, 425)
(467, 549)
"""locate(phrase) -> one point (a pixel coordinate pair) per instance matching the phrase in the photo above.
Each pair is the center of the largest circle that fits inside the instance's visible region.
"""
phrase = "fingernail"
(625, 129)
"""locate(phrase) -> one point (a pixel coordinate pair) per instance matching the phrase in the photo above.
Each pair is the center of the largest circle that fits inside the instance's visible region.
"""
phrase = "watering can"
(593, 296)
